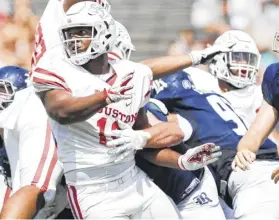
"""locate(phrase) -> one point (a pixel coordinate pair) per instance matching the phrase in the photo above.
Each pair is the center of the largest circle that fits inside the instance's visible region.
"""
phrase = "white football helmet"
(240, 66)
(87, 22)
(105, 4)
(123, 44)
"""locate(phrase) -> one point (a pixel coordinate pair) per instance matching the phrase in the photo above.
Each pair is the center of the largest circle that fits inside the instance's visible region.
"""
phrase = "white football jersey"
(245, 102)
(47, 33)
(30, 146)
(81, 146)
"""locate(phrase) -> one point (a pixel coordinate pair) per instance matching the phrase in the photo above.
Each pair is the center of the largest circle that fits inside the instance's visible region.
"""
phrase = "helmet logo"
(69, 20)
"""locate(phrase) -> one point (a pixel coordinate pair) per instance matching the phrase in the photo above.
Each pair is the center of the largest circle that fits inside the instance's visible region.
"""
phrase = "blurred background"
(157, 27)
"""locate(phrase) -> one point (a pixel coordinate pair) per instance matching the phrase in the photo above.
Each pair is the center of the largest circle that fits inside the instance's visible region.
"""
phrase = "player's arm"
(143, 135)
(259, 130)
(163, 134)
(166, 65)
(67, 109)
(193, 159)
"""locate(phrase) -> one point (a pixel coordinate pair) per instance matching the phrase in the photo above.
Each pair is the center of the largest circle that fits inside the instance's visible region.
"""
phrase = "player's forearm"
(249, 142)
(163, 66)
(164, 134)
(69, 109)
(24, 204)
(163, 157)
(259, 130)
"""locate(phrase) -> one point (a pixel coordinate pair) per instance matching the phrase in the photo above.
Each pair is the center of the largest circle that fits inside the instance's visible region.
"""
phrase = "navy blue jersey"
(270, 85)
(210, 114)
(212, 119)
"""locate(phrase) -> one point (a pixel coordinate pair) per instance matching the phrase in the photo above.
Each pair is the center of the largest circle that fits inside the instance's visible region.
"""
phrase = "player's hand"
(199, 157)
(120, 90)
(127, 139)
(206, 55)
(242, 160)
(275, 175)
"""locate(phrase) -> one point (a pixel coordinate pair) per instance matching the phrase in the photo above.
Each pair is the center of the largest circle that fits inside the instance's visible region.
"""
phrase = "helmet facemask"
(126, 49)
(96, 37)
(7, 93)
(238, 68)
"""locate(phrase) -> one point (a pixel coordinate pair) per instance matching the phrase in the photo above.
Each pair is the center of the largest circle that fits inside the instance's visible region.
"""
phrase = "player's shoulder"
(271, 73)
(53, 59)
(126, 66)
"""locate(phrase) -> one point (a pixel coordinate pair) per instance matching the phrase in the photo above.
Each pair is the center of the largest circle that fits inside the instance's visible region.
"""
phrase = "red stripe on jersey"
(44, 156)
(46, 72)
(50, 171)
(71, 203)
(76, 201)
(48, 82)
(7, 194)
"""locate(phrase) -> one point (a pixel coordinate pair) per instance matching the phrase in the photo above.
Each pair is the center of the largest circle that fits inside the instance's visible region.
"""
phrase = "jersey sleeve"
(270, 85)
(48, 74)
(176, 86)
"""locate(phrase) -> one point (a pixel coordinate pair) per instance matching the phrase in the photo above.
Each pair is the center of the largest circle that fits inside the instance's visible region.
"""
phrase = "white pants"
(134, 196)
(228, 211)
(255, 196)
(203, 202)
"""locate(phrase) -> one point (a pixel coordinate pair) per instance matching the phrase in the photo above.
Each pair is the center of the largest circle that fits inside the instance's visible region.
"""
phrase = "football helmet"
(12, 79)
(87, 31)
(123, 44)
(239, 67)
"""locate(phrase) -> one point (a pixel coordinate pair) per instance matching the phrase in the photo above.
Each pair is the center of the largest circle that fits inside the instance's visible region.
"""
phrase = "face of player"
(78, 39)
(241, 60)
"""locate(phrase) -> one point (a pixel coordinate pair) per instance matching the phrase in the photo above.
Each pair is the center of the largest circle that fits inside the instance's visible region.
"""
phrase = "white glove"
(127, 139)
(204, 56)
(199, 157)
(120, 90)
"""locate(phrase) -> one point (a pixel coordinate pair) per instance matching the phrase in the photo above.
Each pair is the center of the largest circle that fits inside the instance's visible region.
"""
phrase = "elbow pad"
(185, 126)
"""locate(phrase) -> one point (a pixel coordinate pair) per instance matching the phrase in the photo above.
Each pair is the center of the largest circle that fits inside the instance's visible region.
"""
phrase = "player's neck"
(98, 66)
(225, 87)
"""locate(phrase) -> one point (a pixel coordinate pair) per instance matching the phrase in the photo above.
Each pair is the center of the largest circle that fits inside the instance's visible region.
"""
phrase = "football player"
(212, 119)
(266, 119)
(86, 99)
(30, 148)
(47, 34)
